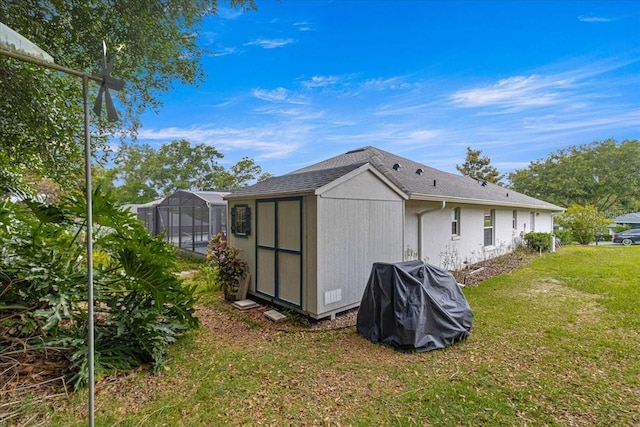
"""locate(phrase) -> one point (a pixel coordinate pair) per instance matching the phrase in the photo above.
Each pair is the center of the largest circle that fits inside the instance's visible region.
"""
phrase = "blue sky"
(300, 81)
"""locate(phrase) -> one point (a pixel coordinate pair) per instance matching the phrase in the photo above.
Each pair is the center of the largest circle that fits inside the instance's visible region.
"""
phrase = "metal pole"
(87, 168)
(110, 82)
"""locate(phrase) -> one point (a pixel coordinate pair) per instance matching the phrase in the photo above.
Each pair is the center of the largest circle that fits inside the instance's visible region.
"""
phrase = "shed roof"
(295, 183)
(418, 181)
(630, 218)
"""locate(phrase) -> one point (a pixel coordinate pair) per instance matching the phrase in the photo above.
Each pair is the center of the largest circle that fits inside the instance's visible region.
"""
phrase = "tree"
(41, 124)
(145, 174)
(479, 167)
(584, 222)
(603, 174)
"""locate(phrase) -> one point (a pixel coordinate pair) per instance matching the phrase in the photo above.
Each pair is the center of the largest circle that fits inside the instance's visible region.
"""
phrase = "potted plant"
(230, 268)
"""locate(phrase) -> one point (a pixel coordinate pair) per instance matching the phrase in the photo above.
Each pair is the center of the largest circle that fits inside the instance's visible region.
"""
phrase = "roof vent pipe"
(434, 182)
(396, 166)
(420, 171)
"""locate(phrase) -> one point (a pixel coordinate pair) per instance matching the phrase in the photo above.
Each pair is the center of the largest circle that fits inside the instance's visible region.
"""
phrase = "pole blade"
(112, 114)
(97, 106)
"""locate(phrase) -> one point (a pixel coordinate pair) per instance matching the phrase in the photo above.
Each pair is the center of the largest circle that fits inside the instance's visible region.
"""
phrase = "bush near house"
(539, 242)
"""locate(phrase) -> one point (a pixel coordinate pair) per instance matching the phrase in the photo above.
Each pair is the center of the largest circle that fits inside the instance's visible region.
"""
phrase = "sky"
(300, 81)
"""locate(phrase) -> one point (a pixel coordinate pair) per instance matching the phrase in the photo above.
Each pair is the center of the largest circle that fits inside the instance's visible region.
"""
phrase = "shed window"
(488, 226)
(455, 221)
(241, 220)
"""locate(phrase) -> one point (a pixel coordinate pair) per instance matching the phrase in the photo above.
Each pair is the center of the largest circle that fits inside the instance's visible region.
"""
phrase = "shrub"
(538, 241)
(230, 269)
(584, 222)
(140, 305)
(565, 236)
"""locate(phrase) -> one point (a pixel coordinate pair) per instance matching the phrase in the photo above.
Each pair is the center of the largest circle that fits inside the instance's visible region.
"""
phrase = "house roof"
(416, 180)
(630, 218)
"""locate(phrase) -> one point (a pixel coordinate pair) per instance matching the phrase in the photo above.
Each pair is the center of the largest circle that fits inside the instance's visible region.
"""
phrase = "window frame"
(491, 215)
(455, 222)
(514, 219)
(241, 220)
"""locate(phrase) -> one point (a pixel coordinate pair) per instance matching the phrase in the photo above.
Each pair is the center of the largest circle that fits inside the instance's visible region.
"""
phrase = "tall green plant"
(140, 304)
(230, 269)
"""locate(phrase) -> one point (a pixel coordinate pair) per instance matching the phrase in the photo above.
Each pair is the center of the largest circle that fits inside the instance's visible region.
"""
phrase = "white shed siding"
(352, 235)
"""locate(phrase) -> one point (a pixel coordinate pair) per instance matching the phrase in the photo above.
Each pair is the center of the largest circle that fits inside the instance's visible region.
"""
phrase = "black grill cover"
(413, 306)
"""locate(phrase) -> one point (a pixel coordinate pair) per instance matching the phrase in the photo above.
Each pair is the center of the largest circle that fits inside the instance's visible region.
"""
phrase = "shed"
(311, 236)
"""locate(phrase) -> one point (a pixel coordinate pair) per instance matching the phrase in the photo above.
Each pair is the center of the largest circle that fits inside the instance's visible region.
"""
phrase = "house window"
(455, 221)
(241, 220)
(532, 226)
(488, 227)
(514, 221)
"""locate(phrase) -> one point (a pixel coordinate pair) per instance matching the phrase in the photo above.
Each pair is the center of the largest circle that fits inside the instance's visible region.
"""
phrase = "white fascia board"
(362, 169)
(465, 200)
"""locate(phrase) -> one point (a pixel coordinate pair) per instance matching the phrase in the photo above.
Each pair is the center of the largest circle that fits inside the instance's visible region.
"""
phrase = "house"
(630, 219)
(311, 236)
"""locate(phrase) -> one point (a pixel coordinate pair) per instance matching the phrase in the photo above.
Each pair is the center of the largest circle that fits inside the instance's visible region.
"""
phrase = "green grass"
(555, 342)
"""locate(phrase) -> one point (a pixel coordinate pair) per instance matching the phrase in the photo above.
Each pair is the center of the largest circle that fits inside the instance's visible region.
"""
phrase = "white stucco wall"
(441, 248)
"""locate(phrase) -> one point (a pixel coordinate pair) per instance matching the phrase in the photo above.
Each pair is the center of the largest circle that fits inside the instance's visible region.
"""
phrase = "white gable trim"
(362, 169)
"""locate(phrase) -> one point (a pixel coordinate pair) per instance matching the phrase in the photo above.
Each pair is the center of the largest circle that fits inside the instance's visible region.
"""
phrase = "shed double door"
(279, 249)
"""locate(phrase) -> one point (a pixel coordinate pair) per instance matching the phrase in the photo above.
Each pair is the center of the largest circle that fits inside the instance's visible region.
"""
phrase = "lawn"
(556, 342)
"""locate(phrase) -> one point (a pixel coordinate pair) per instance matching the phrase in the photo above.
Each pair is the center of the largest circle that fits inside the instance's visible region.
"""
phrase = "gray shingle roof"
(295, 183)
(418, 181)
(630, 218)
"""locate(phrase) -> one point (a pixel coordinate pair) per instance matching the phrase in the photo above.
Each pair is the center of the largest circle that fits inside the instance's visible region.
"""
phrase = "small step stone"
(275, 316)
(244, 304)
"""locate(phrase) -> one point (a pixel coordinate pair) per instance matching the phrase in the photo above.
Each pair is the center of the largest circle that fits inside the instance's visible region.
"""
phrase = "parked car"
(627, 237)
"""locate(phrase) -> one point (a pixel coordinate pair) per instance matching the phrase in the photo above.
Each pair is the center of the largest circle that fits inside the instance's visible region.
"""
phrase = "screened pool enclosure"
(188, 219)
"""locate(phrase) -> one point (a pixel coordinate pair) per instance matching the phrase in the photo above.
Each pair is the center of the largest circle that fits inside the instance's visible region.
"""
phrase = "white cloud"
(321, 81)
(223, 51)
(583, 18)
(272, 142)
(229, 13)
(513, 92)
(392, 83)
(276, 95)
(424, 135)
(304, 26)
(270, 43)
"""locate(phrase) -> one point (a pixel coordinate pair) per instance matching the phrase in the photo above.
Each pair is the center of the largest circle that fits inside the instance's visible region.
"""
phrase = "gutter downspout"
(420, 215)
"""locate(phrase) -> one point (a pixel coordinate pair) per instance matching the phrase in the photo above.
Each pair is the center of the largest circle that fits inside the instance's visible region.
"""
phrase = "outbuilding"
(311, 236)
(188, 219)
